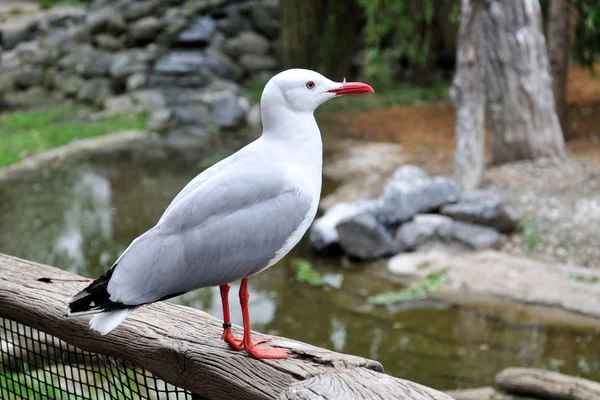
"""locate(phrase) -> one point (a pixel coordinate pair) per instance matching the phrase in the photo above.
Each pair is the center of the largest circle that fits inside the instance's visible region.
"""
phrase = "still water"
(81, 217)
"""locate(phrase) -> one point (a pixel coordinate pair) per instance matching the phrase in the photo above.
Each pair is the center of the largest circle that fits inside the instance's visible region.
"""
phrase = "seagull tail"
(95, 299)
(106, 322)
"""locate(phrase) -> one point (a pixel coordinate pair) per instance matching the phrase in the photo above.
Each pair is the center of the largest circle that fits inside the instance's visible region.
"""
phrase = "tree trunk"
(468, 96)
(320, 35)
(558, 53)
(520, 106)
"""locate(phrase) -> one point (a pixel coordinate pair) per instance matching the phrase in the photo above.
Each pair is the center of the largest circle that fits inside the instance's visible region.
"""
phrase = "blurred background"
(460, 214)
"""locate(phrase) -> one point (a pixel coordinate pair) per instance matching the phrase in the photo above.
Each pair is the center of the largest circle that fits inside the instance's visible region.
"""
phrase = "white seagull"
(232, 221)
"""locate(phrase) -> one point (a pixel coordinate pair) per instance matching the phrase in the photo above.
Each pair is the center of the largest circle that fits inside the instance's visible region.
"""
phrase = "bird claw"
(270, 353)
(237, 343)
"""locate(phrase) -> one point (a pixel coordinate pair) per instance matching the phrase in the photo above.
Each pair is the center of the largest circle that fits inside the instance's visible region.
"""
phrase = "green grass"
(305, 273)
(532, 236)
(25, 133)
(384, 97)
(45, 4)
(416, 290)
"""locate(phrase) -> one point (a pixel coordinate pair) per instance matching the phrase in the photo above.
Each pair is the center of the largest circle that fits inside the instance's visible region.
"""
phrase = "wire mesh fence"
(35, 365)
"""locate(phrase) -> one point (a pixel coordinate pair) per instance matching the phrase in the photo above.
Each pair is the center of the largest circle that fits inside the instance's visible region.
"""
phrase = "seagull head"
(303, 90)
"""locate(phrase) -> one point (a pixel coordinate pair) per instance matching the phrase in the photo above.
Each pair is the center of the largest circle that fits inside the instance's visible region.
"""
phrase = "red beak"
(352, 88)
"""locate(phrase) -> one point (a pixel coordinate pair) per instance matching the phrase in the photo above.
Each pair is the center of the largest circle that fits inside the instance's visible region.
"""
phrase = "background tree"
(320, 35)
(520, 110)
(468, 95)
(558, 28)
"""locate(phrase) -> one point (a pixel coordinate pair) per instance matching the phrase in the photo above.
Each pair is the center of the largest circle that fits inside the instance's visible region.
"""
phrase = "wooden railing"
(182, 346)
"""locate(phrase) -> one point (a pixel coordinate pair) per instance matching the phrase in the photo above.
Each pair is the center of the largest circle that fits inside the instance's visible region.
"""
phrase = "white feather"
(106, 322)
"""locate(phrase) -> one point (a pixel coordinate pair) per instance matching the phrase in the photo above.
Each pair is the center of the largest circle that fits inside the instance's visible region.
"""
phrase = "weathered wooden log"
(546, 385)
(483, 393)
(182, 346)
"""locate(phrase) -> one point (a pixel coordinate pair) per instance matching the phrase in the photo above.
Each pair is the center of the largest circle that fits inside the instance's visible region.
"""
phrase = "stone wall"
(182, 61)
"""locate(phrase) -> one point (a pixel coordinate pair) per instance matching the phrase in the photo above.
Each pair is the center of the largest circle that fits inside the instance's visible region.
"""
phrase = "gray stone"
(86, 61)
(227, 113)
(33, 53)
(139, 9)
(199, 32)
(136, 81)
(65, 15)
(263, 20)
(127, 63)
(233, 24)
(150, 100)
(97, 20)
(422, 229)
(196, 115)
(68, 84)
(257, 62)
(28, 76)
(10, 39)
(246, 42)
(474, 236)
(179, 62)
(161, 121)
(63, 39)
(323, 236)
(409, 173)
(361, 236)
(145, 29)
(95, 91)
(121, 103)
(409, 193)
(116, 24)
(221, 65)
(110, 42)
(485, 208)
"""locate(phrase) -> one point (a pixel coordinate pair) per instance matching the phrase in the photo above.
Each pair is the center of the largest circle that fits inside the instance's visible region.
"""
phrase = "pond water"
(81, 217)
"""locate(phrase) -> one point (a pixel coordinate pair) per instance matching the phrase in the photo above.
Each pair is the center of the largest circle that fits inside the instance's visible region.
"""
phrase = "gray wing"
(227, 228)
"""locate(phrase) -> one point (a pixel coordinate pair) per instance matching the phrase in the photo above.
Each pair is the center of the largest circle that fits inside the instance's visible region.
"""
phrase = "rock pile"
(413, 211)
(180, 60)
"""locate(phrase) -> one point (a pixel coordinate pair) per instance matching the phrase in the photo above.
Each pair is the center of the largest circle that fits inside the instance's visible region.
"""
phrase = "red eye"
(310, 84)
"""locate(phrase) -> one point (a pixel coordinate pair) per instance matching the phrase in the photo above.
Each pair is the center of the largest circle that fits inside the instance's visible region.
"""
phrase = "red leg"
(227, 336)
(249, 345)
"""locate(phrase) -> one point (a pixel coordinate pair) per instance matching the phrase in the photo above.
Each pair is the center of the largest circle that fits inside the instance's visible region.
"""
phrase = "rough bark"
(558, 54)
(546, 385)
(182, 346)
(468, 96)
(520, 106)
(320, 35)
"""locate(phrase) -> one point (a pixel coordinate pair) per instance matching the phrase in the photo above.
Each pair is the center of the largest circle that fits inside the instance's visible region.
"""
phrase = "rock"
(116, 24)
(223, 66)
(86, 61)
(64, 15)
(110, 42)
(28, 76)
(408, 193)
(233, 24)
(136, 81)
(127, 63)
(228, 113)
(246, 42)
(10, 39)
(363, 237)
(199, 33)
(179, 62)
(474, 236)
(195, 115)
(120, 104)
(253, 116)
(64, 39)
(485, 208)
(161, 121)
(139, 9)
(423, 228)
(145, 29)
(323, 236)
(97, 20)
(68, 84)
(411, 263)
(263, 21)
(150, 100)
(409, 173)
(33, 53)
(257, 62)
(95, 91)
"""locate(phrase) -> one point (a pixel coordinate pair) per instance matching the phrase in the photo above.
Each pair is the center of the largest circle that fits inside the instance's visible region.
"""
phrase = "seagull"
(234, 220)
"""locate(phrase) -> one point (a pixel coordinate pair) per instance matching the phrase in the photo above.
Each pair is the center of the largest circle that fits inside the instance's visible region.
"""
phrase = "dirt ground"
(560, 198)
